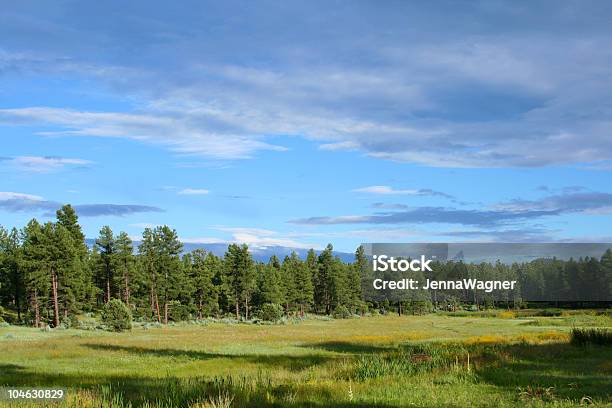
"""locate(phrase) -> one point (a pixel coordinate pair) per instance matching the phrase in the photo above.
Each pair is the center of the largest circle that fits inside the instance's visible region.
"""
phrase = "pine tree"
(77, 288)
(605, 279)
(12, 289)
(240, 275)
(323, 279)
(269, 284)
(339, 291)
(202, 274)
(106, 244)
(302, 276)
(148, 257)
(170, 278)
(125, 268)
(36, 279)
(49, 255)
(274, 262)
(288, 269)
(360, 276)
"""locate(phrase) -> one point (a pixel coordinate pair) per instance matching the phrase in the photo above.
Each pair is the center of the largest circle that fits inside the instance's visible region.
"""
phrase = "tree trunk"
(152, 303)
(246, 307)
(127, 290)
(18, 304)
(36, 309)
(165, 312)
(55, 300)
(157, 308)
(237, 310)
(200, 309)
(108, 293)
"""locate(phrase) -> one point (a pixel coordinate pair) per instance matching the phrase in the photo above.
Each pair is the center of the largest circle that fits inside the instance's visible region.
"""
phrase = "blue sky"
(302, 123)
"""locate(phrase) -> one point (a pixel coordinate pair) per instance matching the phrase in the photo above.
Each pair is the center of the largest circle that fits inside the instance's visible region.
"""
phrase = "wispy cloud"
(8, 195)
(569, 202)
(43, 164)
(182, 134)
(119, 210)
(387, 190)
(429, 215)
(498, 86)
(21, 202)
(193, 191)
(262, 238)
(26, 203)
(391, 206)
(143, 225)
(499, 214)
(347, 145)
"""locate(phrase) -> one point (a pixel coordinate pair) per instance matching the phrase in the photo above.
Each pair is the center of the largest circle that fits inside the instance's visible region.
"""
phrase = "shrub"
(418, 307)
(363, 308)
(87, 324)
(179, 312)
(116, 316)
(583, 337)
(342, 312)
(507, 314)
(271, 312)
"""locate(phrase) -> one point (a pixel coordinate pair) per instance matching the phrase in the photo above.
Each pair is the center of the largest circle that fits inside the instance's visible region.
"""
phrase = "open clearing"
(380, 361)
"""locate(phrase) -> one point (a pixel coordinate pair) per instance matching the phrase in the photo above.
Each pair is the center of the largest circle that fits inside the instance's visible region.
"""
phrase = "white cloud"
(182, 133)
(143, 225)
(481, 91)
(203, 240)
(193, 191)
(8, 195)
(347, 145)
(44, 164)
(384, 190)
(262, 238)
(387, 190)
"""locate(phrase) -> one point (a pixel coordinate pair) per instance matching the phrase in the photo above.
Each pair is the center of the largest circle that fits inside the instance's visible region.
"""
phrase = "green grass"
(380, 361)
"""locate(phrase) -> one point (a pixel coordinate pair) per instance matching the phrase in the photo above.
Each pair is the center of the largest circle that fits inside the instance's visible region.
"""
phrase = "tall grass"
(382, 362)
(598, 336)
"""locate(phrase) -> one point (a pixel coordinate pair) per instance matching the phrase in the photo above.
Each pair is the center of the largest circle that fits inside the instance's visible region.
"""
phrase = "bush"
(116, 316)
(342, 312)
(418, 307)
(179, 312)
(271, 312)
(583, 337)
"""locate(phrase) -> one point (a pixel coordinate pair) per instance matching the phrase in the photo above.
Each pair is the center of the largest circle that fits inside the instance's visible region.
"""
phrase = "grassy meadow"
(492, 360)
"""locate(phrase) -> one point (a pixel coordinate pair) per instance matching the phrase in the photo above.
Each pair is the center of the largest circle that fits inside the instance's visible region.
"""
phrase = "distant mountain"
(259, 254)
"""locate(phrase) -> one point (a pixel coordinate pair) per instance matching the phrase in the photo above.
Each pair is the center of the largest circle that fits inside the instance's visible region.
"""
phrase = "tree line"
(48, 275)
(582, 282)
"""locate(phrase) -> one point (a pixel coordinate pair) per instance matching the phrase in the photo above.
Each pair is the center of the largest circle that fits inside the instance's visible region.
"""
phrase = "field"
(383, 361)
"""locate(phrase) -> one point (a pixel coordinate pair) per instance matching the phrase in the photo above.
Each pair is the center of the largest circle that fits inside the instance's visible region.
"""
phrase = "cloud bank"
(500, 214)
(464, 85)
